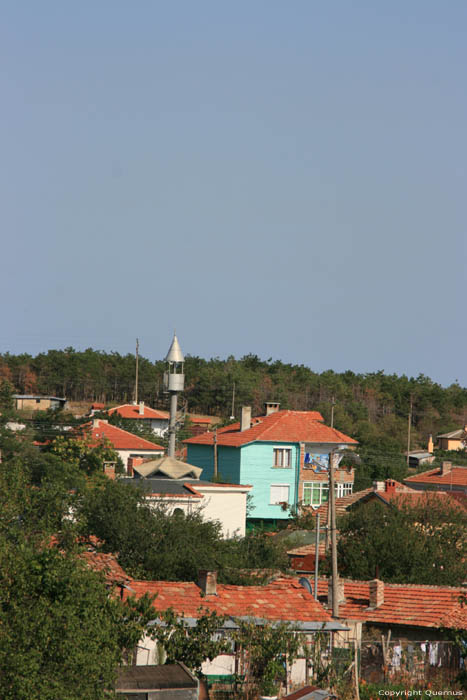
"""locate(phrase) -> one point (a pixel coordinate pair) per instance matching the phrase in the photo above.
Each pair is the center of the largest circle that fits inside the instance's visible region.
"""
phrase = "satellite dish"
(303, 581)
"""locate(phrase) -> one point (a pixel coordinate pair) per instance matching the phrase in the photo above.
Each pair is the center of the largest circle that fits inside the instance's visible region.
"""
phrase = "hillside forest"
(373, 407)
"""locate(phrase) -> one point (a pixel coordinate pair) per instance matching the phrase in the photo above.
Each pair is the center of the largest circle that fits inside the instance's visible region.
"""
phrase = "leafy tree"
(264, 649)
(61, 634)
(409, 544)
(154, 544)
(85, 452)
(192, 645)
(151, 542)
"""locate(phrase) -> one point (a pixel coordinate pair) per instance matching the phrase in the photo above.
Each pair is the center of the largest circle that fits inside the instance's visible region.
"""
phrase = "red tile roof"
(120, 439)
(107, 564)
(282, 599)
(129, 410)
(282, 426)
(420, 498)
(457, 476)
(404, 604)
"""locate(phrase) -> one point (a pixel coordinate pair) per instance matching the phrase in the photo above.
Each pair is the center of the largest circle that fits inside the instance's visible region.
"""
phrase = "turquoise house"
(269, 453)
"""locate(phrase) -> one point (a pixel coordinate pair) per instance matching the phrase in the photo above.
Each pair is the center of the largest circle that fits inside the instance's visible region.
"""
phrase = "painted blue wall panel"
(257, 460)
(228, 461)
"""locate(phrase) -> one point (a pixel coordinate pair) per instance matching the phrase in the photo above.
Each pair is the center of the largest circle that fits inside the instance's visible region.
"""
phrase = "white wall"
(228, 505)
(223, 664)
(159, 427)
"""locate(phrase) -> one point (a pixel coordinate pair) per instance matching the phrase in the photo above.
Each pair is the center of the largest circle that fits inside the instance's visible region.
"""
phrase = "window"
(315, 493)
(282, 457)
(279, 493)
(344, 489)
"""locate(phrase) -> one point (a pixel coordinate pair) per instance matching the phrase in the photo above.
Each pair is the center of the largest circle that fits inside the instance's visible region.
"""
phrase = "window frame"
(316, 486)
(280, 486)
(282, 450)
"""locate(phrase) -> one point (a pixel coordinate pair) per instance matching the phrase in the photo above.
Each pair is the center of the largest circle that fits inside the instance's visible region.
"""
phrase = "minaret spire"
(174, 381)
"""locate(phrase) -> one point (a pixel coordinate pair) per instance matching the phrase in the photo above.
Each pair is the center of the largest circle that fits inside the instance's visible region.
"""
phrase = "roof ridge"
(399, 585)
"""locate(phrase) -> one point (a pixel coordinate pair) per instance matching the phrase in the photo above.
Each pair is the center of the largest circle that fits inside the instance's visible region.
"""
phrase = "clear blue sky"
(281, 178)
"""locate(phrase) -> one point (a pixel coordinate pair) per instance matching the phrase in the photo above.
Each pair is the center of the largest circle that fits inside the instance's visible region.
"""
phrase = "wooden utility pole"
(232, 413)
(332, 508)
(136, 378)
(316, 556)
(409, 427)
(332, 411)
(215, 452)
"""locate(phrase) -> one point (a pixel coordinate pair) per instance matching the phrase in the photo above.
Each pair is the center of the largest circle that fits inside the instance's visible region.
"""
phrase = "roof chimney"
(390, 486)
(109, 469)
(141, 408)
(446, 467)
(207, 581)
(271, 407)
(431, 446)
(245, 422)
(376, 593)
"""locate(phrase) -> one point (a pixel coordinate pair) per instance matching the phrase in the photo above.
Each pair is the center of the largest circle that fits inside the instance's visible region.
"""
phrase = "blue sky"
(281, 178)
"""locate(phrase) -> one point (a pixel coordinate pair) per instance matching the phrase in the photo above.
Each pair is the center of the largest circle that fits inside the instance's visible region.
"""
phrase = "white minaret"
(174, 381)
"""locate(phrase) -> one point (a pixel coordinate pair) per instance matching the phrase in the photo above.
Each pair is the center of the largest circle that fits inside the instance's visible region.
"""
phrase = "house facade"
(284, 455)
(456, 440)
(33, 402)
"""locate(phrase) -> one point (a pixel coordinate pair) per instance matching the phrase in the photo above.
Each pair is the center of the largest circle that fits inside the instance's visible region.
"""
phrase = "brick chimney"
(141, 408)
(446, 467)
(245, 422)
(390, 486)
(133, 462)
(271, 407)
(376, 593)
(207, 581)
(109, 469)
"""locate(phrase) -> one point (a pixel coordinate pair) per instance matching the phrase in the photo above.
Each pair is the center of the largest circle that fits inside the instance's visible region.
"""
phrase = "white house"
(178, 485)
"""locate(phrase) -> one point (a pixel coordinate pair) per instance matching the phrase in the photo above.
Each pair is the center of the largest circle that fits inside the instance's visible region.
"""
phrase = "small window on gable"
(282, 457)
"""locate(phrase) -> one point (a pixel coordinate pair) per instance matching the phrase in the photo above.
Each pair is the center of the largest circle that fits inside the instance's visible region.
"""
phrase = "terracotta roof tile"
(282, 599)
(282, 426)
(107, 564)
(404, 604)
(120, 439)
(457, 476)
(129, 410)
